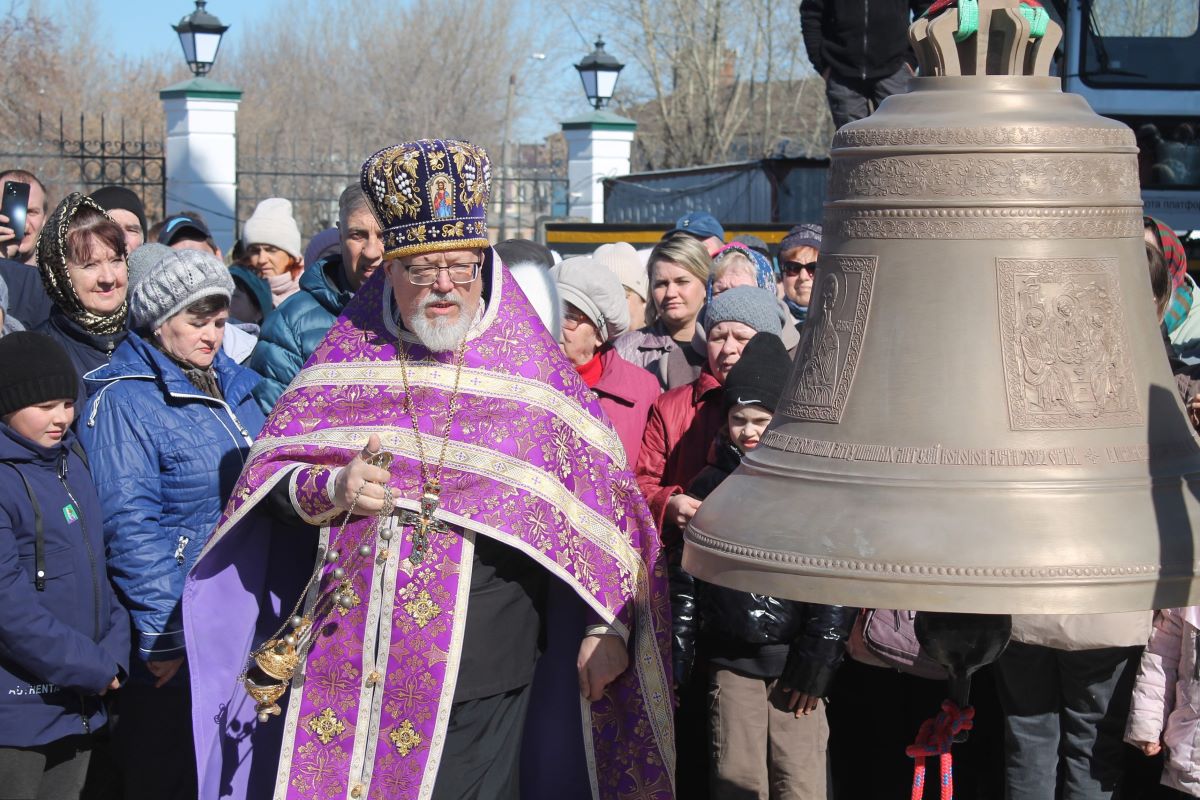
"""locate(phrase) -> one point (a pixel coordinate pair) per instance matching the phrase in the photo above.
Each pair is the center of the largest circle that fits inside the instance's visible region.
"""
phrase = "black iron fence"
(100, 152)
(312, 182)
(67, 159)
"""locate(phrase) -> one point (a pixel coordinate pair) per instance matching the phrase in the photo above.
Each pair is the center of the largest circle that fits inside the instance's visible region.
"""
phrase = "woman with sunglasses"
(798, 263)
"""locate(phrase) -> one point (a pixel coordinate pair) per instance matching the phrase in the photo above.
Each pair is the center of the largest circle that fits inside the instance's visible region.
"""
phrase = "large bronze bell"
(980, 417)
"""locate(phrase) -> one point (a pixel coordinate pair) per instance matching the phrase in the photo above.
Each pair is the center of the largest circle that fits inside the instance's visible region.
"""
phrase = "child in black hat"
(65, 636)
(769, 661)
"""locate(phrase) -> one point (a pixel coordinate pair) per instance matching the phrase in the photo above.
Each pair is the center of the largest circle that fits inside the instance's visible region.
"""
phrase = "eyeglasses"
(427, 274)
(573, 319)
(794, 267)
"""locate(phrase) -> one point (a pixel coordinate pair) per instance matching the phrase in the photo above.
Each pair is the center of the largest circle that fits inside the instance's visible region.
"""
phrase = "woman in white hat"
(594, 312)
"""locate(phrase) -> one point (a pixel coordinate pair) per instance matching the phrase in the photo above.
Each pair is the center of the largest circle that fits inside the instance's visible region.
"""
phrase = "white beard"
(440, 335)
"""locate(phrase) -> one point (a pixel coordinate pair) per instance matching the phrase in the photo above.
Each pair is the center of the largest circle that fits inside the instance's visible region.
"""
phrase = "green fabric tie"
(968, 20)
(1038, 20)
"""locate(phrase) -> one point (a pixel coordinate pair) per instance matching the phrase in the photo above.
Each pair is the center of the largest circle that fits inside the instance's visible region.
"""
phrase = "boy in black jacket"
(64, 638)
(770, 660)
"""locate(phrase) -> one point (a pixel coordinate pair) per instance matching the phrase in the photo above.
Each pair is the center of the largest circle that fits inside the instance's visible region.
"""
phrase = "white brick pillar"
(598, 147)
(201, 153)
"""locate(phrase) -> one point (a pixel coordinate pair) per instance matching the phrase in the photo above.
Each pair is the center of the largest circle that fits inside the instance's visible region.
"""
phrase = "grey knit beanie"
(144, 259)
(750, 305)
(595, 291)
(181, 278)
(272, 223)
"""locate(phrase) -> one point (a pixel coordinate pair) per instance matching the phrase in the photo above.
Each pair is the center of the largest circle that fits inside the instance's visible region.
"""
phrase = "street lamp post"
(200, 35)
(599, 70)
(201, 131)
(599, 144)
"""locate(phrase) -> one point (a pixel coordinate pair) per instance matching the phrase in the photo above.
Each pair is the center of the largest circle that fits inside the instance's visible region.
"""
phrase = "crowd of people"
(138, 364)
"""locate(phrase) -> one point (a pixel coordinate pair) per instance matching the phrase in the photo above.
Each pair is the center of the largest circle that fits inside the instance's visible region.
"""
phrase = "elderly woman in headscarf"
(167, 435)
(1181, 318)
(81, 257)
(737, 264)
(594, 312)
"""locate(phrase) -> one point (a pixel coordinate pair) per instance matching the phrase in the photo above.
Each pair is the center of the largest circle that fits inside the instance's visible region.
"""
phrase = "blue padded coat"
(291, 334)
(65, 637)
(166, 457)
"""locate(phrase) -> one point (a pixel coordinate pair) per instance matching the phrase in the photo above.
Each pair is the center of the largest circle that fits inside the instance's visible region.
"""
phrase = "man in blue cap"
(700, 225)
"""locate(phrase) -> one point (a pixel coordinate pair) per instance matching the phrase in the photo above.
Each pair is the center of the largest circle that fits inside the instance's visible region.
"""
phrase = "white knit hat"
(623, 261)
(596, 292)
(272, 223)
(181, 278)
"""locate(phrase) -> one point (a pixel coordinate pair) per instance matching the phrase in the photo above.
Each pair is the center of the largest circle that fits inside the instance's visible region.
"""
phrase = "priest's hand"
(359, 484)
(602, 659)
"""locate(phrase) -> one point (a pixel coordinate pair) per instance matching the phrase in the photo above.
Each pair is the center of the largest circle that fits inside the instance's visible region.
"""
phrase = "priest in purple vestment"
(436, 577)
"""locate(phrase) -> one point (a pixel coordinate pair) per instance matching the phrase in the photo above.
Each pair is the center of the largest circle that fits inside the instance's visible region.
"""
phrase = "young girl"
(1165, 710)
(770, 661)
(64, 638)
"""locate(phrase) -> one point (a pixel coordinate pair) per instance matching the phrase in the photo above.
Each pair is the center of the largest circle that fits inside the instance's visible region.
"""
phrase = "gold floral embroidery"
(326, 726)
(416, 234)
(347, 591)
(453, 230)
(422, 608)
(405, 737)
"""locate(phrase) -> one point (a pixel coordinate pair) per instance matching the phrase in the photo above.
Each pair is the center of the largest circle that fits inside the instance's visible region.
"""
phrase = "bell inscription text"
(1066, 357)
(832, 338)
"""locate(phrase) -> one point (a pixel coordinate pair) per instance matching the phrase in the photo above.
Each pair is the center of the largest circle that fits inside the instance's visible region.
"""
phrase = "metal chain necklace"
(271, 666)
(423, 524)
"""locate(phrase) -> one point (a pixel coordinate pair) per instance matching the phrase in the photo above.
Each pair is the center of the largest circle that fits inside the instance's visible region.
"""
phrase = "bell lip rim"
(954, 593)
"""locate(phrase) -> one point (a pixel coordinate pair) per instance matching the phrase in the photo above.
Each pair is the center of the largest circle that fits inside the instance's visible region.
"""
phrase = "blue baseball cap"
(175, 225)
(700, 224)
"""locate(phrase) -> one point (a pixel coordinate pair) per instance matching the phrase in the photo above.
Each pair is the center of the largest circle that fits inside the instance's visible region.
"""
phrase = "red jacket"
(683, 424)
(626, 393)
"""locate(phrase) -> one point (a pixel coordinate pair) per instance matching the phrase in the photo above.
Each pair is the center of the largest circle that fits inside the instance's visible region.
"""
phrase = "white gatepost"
(598, 147)
(201, 153)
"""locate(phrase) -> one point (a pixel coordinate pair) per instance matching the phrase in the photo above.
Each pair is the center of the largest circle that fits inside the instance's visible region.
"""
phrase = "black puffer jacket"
(863, 39)
(731, 621)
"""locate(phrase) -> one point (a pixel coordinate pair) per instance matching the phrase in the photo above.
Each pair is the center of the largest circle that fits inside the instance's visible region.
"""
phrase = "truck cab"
(1138, 61)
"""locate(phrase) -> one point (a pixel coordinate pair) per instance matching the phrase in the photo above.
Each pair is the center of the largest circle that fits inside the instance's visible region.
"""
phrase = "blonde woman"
(678, 270)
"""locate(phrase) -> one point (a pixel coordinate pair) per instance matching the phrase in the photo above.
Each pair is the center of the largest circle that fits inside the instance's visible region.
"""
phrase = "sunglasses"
(794, 267)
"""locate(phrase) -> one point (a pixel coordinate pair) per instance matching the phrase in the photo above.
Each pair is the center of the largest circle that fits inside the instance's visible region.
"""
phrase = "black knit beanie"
(33, 369)
(759, 375)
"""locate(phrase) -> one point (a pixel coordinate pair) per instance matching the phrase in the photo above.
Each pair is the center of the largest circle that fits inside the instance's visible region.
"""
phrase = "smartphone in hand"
(15, 205)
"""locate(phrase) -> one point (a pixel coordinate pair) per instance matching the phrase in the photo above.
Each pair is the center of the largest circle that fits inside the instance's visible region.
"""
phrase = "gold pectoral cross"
(424, 523)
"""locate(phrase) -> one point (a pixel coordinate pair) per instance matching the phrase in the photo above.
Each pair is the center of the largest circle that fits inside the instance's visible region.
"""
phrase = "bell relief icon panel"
(1066, 356)
(832, 337)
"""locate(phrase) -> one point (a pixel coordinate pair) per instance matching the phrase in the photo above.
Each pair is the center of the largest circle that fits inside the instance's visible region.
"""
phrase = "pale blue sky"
(550, 91)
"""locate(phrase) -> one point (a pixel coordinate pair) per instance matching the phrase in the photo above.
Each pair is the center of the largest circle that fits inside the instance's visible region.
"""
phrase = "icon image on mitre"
(441, 196)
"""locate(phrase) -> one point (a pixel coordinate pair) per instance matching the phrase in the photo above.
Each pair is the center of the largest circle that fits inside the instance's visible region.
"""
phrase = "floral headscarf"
(764, 275)
(52, 263)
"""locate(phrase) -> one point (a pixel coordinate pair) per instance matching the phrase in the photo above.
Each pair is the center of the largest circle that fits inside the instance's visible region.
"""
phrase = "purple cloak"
(530, 461)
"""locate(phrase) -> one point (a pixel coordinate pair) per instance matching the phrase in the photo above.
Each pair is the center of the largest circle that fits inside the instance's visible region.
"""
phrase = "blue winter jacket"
(291, 334)
(165, 457)
(62, 644)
